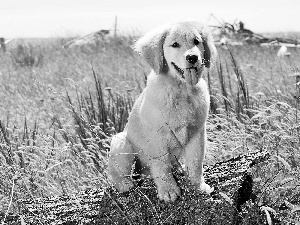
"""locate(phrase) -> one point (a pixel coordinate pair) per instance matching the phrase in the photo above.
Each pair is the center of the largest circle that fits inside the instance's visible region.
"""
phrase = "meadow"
(59, 108)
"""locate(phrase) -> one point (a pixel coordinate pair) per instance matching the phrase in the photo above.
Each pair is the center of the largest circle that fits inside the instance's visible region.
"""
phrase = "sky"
(54, 18)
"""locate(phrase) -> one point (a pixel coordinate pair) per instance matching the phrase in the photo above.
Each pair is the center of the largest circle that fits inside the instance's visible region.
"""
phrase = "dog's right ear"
(150, 46)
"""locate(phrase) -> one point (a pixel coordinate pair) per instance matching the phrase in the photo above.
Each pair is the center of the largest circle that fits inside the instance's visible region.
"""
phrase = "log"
(238, 34)
(231, 179)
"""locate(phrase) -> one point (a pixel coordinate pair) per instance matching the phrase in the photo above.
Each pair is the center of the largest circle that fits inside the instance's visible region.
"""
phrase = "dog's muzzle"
(191, 74)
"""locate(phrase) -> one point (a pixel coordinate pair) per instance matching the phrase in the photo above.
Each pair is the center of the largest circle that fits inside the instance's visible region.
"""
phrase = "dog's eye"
(196, 42)
(175, 45)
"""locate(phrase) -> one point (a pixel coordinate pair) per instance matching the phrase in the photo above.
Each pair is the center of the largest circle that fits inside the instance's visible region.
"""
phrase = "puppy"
(168, 118)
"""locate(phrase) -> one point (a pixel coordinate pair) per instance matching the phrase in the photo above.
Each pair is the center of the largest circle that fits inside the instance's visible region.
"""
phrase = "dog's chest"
(187, 114)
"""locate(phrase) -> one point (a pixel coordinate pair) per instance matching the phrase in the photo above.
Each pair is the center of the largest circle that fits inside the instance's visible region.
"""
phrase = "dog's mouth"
(192, 68)
(179, 70)
(191, 74)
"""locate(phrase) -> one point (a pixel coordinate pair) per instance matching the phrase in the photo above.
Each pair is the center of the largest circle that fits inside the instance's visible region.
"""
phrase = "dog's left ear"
(150, 46)
(210, 51)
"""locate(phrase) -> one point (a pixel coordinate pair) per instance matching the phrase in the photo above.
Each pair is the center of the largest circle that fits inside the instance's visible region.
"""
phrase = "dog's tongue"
(191, 76)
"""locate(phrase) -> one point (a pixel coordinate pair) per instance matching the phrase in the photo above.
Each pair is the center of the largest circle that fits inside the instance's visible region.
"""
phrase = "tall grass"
(57, 117)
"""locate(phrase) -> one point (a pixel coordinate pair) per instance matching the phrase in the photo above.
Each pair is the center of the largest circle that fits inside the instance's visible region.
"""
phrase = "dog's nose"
(192, 58)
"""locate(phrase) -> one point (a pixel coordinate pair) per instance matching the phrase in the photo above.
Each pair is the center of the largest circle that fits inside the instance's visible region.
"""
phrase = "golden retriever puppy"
(168, 118)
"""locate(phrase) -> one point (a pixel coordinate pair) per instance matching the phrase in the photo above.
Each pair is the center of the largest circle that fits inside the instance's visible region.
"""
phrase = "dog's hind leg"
(120, 162)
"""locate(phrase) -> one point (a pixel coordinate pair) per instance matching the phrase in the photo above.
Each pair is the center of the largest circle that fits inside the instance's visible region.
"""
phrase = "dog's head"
(180, 50)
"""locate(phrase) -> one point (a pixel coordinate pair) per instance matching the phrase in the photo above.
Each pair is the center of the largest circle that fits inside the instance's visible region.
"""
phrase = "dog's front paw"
(168, 192)
(204, 187)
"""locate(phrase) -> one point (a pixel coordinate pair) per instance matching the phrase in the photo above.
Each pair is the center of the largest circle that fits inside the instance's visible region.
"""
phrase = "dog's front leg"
(167, 188)
(159, 161)
(194, 155)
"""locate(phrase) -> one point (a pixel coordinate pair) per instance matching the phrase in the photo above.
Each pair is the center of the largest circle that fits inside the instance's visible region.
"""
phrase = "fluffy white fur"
(168, 119)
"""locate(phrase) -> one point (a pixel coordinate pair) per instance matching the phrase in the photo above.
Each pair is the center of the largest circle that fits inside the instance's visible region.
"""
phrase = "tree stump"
(231, 179)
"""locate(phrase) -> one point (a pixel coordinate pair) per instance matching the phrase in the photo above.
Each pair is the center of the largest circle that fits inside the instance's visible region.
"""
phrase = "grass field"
(59, 107)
